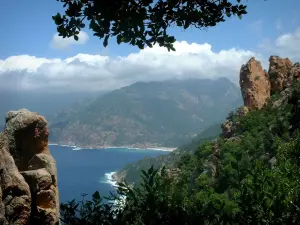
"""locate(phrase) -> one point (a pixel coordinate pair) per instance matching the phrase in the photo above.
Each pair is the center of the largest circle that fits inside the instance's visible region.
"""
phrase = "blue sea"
(89, 170)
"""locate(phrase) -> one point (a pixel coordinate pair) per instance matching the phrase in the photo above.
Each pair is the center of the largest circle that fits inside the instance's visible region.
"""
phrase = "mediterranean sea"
(84, 171)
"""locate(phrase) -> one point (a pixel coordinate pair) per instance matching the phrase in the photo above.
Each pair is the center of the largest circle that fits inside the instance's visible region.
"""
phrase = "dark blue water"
(87, 170)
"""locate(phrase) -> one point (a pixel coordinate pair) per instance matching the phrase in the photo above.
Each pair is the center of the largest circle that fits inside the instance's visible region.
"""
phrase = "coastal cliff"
(28, 177)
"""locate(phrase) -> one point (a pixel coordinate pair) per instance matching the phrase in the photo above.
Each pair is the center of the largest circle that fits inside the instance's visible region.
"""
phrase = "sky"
(34, 58)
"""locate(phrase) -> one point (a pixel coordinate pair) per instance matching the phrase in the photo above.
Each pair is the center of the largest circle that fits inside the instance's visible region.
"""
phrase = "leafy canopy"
(142, 22)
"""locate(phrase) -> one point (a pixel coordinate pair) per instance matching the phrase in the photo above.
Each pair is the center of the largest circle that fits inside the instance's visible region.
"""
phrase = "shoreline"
(169, 149)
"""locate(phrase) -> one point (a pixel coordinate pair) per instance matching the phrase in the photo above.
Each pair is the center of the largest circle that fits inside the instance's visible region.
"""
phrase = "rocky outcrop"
(15, 196)
(255, 84)
(230, 125)
(295, 71)
(228, 128)
(279, 73)
(28, 178)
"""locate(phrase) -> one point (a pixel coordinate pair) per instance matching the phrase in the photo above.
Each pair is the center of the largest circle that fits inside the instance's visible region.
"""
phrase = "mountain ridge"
(152, 114)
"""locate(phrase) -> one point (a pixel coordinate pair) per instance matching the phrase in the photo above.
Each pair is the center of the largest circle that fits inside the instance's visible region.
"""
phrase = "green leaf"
(96, 195)
(140, 45)
(57, 19)
(150, 171)
(105, 42)
(76, 38)
(119, 39)
(145, 174)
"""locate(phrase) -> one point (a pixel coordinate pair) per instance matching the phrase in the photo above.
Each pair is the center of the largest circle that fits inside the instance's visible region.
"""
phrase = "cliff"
(257, 85)
(28, 178)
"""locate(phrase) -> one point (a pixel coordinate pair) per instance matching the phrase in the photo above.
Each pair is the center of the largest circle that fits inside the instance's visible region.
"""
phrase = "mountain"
(257, 87)
(166, 113)
(249, 174)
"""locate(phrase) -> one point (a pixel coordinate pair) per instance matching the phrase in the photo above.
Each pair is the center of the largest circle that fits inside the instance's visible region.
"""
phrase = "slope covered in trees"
(147, 114)
(131, 172)
(249, 175)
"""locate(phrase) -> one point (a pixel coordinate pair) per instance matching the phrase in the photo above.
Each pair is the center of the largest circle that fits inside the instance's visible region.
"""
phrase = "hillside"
(149, 114)
(249, 174)
(256, 88)
(131, 172)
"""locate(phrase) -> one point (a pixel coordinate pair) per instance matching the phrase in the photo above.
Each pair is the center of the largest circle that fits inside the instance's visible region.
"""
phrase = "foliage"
(142, 22)
(131, 172)
(252, 178)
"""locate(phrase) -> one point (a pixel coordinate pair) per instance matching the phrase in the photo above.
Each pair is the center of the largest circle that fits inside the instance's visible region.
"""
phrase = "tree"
(142, 22)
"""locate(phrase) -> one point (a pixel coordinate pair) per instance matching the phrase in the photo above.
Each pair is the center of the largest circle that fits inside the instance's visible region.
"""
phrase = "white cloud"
(285, 45)
(85, 72)
(288, 44)
(59, 42)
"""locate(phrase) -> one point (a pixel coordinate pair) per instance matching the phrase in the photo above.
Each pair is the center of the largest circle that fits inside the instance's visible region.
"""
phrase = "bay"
(89, 170)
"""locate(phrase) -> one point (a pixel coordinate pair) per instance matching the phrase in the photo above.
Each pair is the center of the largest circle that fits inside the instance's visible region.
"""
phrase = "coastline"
(154, 148)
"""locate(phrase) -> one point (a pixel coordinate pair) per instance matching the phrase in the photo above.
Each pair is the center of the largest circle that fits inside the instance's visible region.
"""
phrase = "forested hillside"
(152, 114)
(131, 172)
(248, 175)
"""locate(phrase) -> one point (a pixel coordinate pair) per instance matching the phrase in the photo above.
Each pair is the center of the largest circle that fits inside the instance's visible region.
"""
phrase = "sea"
(84, 171)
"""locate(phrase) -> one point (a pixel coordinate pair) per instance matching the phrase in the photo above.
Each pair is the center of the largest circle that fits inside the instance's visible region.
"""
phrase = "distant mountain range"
(166, 113)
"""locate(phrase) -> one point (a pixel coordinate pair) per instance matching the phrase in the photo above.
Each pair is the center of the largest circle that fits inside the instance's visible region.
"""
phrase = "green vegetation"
(250, 178)
(131, 172)
(142, 22)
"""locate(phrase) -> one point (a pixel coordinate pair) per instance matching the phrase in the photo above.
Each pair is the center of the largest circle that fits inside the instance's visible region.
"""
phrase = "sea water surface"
(89, 170)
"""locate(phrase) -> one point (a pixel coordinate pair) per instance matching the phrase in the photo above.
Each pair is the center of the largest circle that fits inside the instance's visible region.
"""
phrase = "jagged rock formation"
(28, 178)
(279, 73)
(255, 84)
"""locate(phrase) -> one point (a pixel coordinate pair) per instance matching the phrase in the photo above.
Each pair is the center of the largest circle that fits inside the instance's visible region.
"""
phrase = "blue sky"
(28, 31)
(27, 28)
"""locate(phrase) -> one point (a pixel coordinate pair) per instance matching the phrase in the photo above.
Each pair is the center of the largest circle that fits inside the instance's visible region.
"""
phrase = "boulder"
(28, 177)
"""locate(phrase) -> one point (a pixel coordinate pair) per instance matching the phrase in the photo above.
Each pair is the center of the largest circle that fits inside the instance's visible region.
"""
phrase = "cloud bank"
(88, 73)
